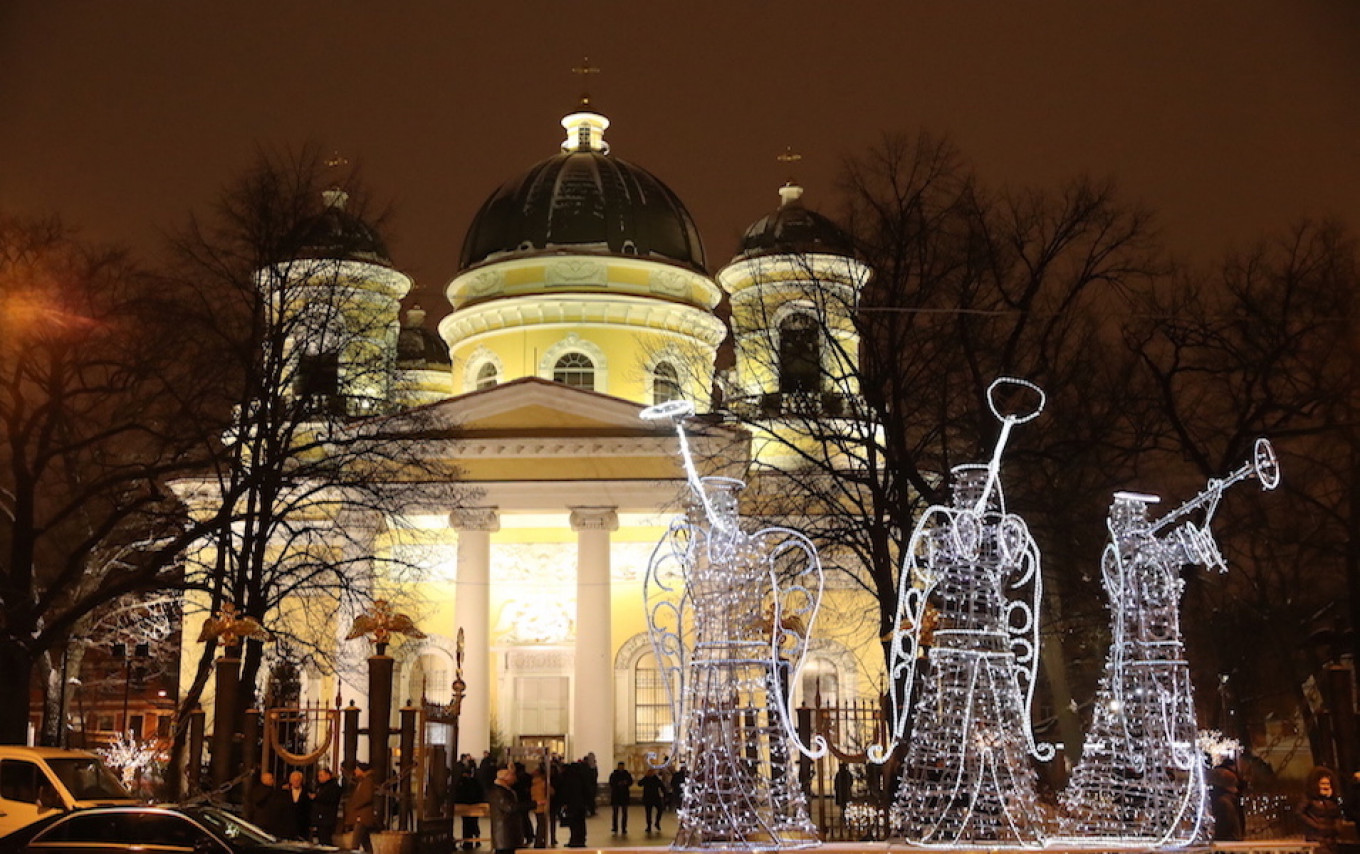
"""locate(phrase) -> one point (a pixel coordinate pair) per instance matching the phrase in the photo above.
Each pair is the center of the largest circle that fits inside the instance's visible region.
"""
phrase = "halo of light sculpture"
(1140, 780)
(967, 618)
(729, 615)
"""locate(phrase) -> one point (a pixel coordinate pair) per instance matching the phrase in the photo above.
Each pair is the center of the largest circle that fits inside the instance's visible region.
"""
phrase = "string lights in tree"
(968, 633)
(730, 614)
(1140, 780)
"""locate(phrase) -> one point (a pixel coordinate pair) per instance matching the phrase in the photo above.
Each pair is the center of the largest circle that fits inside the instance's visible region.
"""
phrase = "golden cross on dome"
(336, 160)
(585, 69)
(789, 155)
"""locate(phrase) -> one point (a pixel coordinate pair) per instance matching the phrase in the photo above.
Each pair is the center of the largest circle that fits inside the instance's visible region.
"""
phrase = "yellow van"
(34, 781)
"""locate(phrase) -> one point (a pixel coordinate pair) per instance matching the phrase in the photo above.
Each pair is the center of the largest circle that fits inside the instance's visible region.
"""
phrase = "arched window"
(487, 375)
(800, 355)
(576, 370)
(430, 675)
(665, 383)
(653, 718)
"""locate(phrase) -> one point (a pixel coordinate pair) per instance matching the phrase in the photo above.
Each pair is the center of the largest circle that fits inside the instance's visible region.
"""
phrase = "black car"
(153, 829)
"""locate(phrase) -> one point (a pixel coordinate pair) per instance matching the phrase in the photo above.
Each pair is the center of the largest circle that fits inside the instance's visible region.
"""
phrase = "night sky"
(1229, 119)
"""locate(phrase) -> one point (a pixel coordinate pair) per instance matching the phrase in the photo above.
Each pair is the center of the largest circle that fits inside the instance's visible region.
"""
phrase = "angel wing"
(1020, 557)
(796, 585)
(669, 622)
(912, 622)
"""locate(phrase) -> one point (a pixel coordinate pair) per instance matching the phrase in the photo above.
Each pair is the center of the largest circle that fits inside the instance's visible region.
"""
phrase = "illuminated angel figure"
(1140, 780)
(968, 622)
(730, 615)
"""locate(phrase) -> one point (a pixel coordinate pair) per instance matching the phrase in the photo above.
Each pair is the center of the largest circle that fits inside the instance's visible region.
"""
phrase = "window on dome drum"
(652, 720)
(575, 370)
(665, 383)
(487, 376)
(800, 355)
(318, 381)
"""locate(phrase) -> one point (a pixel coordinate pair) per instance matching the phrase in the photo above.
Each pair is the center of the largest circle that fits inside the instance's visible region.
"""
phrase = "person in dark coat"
(270, 808)
(1320, 810)
(1223, 793)
(325, 806)
(620, 782)
(653, 799)
(507, 813)
(678, 787)
(843, 785)
(360, 812)
(573, 794)
(467, 790)
(299, 803)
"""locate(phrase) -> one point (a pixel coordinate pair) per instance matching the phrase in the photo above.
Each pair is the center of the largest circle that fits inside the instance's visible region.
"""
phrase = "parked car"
(39, 781)
(169, 829)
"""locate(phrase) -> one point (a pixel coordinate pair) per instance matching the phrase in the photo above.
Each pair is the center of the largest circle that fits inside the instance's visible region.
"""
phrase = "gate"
(847, 791)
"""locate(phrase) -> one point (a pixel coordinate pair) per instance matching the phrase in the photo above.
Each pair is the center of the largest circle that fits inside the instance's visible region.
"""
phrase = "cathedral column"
(592, 712)
(472, 614)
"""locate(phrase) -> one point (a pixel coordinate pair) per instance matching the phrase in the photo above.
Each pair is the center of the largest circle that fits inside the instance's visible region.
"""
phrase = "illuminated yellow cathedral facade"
(583, 296)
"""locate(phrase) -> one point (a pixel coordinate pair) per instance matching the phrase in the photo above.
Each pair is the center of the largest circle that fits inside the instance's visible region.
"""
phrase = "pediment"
(533, 406)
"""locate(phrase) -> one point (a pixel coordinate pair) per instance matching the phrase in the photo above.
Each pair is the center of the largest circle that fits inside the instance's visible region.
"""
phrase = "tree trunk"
(175, 776)
(16, 671)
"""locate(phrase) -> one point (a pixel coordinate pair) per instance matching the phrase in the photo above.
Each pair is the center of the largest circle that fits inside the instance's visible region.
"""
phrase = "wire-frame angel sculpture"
(1140, 780)
(967, 632)
(730, 614)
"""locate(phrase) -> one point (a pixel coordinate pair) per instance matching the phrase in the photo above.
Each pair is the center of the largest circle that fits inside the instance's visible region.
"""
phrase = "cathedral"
(583, 296)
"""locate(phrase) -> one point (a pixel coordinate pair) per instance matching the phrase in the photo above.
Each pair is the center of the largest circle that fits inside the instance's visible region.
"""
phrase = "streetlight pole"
(141, 651)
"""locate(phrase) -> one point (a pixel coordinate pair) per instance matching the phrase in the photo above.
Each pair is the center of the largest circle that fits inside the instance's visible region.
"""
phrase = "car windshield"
(86, 778)
(235, 830)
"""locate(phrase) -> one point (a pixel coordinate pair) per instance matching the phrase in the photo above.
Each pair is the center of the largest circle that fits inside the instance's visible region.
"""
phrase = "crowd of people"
(524, 806)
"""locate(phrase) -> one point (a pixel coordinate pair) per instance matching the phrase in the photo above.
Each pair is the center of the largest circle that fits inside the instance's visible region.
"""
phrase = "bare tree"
(89, 435)
(968, 285)
(295, 304)
(1266, 345)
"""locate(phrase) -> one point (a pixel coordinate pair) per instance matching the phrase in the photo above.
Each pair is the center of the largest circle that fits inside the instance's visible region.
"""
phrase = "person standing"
(271, 811)
(843, 785)
(1320, 810)
(467, 790)
(541, 791)
(592, 781)
(299, 807)
(360, 813)
(572, 790)
(653, 799)
(325, 806)
(1223, 794)
(507, 813)
(620, 782)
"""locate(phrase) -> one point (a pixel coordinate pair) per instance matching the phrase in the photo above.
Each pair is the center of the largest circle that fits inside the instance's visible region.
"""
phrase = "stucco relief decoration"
(575, 271)
(486, 283)
(540, 608)
(541, 621)
(730, 614)
(669, 283)
(628, 561)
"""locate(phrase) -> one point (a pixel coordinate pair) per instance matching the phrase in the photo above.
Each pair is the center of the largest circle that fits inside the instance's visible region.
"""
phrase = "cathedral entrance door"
(542, 703)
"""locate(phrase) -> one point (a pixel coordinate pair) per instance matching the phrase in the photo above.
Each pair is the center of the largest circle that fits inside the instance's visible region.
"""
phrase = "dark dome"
(418, 345)
(337, 233)
(793, 228)
(586, 201)
(421, 345)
